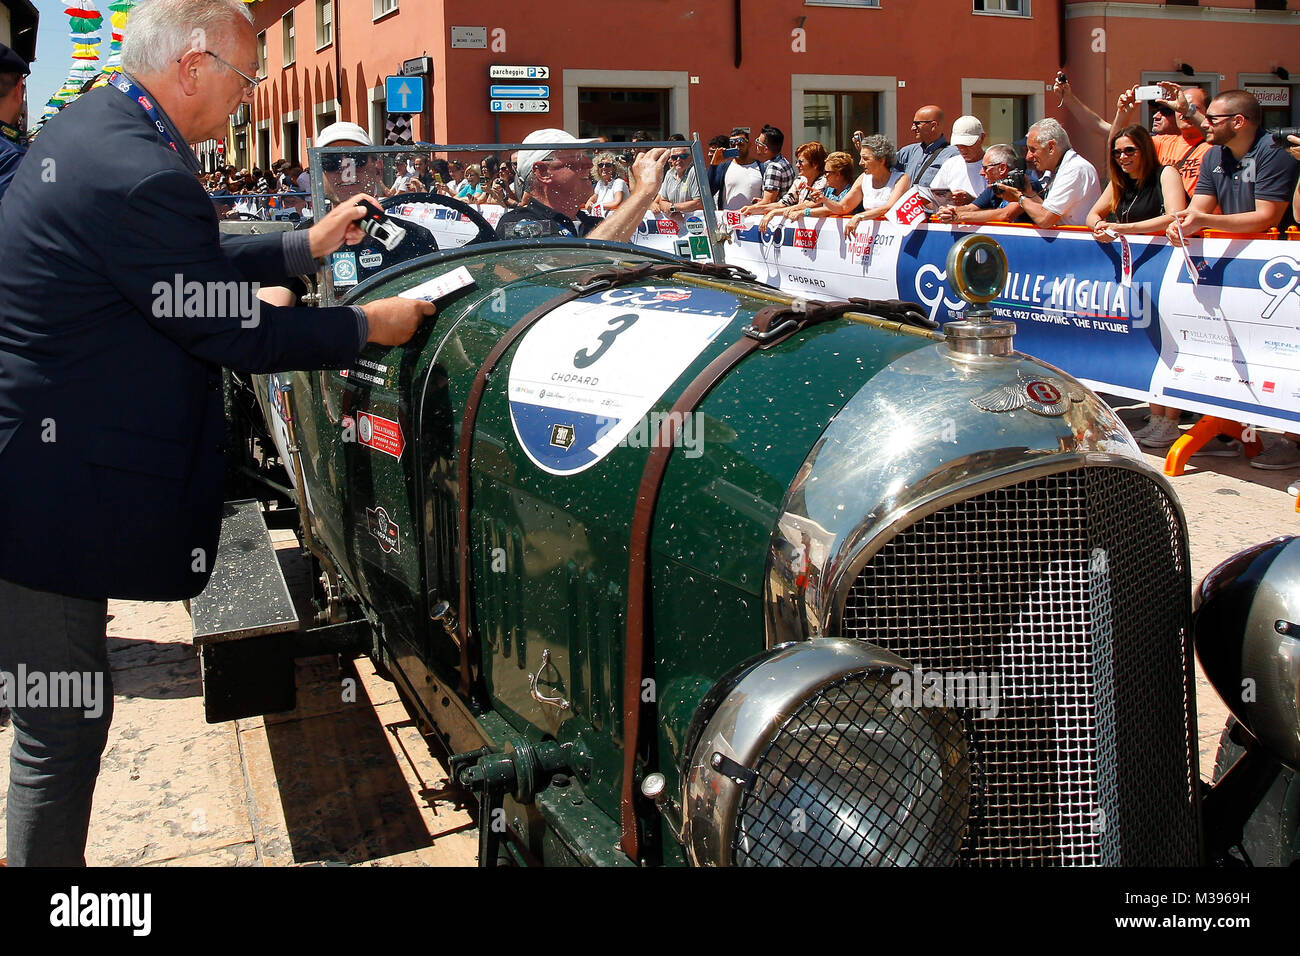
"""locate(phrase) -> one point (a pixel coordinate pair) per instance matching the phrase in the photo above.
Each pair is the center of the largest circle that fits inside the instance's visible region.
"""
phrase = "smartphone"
(437, 178)
(731, 153)
(1149, 93)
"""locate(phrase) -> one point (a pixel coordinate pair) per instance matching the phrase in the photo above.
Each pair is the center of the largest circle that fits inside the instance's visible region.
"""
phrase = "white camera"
(1150, 93)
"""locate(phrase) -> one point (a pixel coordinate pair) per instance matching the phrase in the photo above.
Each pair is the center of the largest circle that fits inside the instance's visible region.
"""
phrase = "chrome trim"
(911, 441)
(747, 720)
(556, 701)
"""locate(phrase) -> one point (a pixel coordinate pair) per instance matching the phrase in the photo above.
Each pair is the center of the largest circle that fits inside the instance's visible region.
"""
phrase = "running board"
(242, 623)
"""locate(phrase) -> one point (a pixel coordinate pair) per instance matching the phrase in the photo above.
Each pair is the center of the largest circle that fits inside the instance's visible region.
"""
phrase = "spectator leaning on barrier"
(810, 160)
(1069, 182)
(1252, 180)
(959, 175)
(879, 187)
(778, 174)
(922, 160)
(679, 194)
(1142, 195)
(1245, 173)
(988, 206)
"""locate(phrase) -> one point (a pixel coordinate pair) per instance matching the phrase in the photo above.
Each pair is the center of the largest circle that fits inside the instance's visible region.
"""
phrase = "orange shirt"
(1173, 149)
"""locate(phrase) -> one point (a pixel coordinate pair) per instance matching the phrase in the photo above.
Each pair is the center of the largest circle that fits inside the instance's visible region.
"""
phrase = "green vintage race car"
(680, 569)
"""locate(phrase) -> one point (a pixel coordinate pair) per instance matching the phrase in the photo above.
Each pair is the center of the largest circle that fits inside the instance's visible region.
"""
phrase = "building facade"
(818, 70)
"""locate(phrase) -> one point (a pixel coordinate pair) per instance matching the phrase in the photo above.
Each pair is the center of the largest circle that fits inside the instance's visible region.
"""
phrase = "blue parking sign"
(404, 94)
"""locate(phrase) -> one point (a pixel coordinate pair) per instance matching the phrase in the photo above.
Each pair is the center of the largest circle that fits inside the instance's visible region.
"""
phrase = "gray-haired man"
(1070, 183)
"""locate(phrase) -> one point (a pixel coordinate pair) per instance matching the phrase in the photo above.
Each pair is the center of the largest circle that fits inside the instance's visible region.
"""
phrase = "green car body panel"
(551, 552)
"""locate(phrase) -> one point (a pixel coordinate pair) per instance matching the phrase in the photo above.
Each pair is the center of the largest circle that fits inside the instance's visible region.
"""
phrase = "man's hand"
(1294, 148)
(962, 198)
(1174, 97)
(339, 226)
(1127, 101)
(948, 214)
(393, 321)
(1190, 220)
(1062, 87)
(650, 167)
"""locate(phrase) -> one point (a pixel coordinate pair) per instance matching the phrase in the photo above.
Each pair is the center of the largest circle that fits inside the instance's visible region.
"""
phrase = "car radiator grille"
(1073, 589)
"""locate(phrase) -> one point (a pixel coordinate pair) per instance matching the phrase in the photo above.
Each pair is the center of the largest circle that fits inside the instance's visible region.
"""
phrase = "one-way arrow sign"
(404, 94)
(519, 92)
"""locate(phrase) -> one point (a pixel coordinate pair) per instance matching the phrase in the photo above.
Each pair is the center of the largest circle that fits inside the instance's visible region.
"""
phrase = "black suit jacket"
(111, 423)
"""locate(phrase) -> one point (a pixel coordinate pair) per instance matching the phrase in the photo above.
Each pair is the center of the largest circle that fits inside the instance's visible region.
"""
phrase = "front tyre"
(1271, 836)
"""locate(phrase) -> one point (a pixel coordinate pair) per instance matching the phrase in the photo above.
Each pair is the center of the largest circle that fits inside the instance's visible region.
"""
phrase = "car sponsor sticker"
(381, 434)
(585, 375)
(384, 530)
(371, 260)
(451, 227)
(344, 265)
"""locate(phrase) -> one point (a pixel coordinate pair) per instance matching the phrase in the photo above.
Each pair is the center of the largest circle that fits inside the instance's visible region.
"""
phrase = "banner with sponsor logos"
(1124, 317)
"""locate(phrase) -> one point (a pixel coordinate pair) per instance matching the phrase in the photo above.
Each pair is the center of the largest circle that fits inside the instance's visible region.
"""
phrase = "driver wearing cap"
(559, 181)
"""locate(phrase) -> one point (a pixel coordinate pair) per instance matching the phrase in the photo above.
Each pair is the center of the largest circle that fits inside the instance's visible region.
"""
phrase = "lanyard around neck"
(121, 83)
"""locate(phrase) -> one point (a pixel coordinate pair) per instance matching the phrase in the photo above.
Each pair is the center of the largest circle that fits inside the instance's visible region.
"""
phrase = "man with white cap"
(960, 174)
(346, 176)
(559, 181)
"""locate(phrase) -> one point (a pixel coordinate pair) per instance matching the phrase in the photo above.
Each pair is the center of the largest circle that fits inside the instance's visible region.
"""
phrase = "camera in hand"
(1280, 136)
(1014, 178)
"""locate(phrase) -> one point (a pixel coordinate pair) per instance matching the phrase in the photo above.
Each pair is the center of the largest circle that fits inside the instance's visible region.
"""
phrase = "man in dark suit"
(119, 303)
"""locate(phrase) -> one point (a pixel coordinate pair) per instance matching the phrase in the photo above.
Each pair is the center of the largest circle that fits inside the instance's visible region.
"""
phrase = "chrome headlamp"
(810, 760)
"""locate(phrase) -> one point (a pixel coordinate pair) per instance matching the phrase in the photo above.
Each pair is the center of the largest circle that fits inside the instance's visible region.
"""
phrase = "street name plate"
(418, 66)
(469, 38)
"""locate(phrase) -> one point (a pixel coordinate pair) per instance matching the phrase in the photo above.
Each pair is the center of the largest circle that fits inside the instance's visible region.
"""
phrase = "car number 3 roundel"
(587, 373)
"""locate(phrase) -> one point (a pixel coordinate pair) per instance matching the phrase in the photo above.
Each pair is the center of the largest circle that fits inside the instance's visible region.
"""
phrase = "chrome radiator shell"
(1038, 547)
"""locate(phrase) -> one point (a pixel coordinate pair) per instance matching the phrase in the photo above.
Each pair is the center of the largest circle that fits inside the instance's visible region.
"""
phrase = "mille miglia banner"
(1124, 317)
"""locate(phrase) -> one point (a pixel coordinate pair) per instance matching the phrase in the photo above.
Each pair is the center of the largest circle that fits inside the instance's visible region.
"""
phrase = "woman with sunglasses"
(1142, 196)
(611, 188)
(810, 166)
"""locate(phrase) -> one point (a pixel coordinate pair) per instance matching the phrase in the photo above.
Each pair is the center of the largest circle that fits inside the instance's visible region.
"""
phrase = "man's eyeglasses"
(1217, 118)
(916, 123)
(1124, 151)
(679, 156)
(250, 82)
(604, 165)
(987, 166)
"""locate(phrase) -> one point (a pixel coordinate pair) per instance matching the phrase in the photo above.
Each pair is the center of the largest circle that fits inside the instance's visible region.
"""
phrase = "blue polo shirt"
(1265, 172)
(12, 150)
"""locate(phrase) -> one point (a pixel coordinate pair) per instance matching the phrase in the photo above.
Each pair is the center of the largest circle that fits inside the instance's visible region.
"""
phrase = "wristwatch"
(1190, 111)
(672, 208)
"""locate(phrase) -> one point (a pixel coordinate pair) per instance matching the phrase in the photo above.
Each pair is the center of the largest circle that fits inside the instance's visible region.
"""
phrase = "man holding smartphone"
(742, 181)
